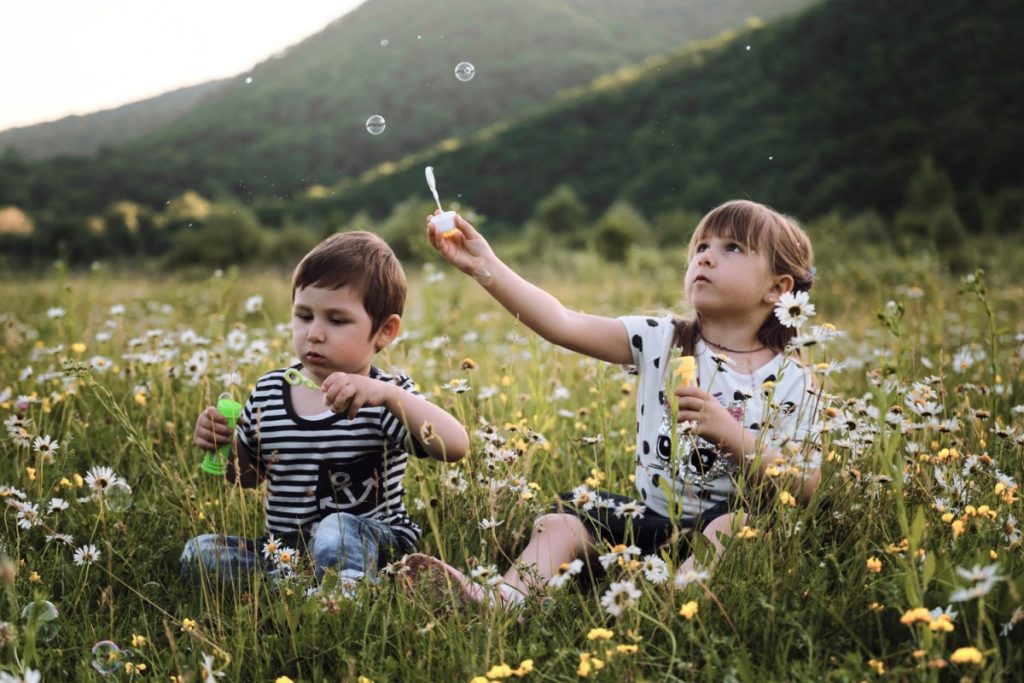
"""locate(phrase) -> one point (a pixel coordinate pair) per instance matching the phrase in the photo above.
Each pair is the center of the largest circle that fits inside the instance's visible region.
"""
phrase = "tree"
(620, 227)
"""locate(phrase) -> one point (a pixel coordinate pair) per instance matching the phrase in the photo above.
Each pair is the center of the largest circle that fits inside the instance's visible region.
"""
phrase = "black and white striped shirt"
(322, 464)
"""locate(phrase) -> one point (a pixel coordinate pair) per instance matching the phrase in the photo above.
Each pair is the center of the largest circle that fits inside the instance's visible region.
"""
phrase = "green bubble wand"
(217, 462)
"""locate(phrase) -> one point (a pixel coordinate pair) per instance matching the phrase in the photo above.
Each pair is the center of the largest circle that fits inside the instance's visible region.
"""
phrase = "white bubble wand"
(445, 222)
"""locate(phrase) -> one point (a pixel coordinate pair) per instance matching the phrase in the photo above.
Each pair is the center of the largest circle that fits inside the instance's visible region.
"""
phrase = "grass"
(818, 593)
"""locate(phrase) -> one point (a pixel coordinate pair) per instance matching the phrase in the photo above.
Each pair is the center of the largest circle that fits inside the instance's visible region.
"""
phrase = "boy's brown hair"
(360, 260)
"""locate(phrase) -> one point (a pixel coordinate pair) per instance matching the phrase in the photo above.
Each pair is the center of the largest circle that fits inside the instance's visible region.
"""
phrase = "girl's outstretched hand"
(464, 247)
(714, 422)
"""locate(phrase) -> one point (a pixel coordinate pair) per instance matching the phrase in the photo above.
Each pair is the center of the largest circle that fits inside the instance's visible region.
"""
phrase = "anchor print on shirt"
(349, 486)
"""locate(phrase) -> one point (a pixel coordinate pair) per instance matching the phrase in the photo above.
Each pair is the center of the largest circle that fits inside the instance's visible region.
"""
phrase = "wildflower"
(486, 574)
(565, 572)
(786, 498)
(138, 640)
(794, 308)
(620, 595)
(499, 671)
(525, 667)
(583, 498)
(56, 505)
(624, 649)
(271, 547)
(631, 509)
(685, 578)
(206, 673)
(285, 679)
(655, 569)
(487, 523)
(28, 515)
(618, 554)
(458, 386)
(86, 554)
(286, 559)
(984, 578)
(966, 655)
(188, 625)
(874, 564)
(467, 364)
(878, 665)
(689, 610)
(100, 477)
(746, 532)
(588, 663)
(55, 312)
(45, 446)
(912, 616)
(254, 304)
(600, 634)
(942, 623)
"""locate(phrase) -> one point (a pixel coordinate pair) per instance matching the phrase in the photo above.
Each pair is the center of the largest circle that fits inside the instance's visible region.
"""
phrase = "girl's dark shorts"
(649, 531)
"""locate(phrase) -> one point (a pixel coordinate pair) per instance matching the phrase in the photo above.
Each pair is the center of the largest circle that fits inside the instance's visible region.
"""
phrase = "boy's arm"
(592, 335)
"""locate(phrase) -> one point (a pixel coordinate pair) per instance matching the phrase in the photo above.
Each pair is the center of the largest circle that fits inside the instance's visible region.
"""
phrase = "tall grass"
(910, 502)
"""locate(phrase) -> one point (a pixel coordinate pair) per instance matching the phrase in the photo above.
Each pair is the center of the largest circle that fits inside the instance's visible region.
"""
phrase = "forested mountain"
(86, 134)
(302, 119)
(833, 108)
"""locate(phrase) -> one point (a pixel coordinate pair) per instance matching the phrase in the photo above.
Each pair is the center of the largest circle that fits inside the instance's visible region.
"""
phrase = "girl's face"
(725, 278)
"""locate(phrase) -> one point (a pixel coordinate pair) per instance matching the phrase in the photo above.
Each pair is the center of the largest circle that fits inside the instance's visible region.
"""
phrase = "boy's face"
(332, 332)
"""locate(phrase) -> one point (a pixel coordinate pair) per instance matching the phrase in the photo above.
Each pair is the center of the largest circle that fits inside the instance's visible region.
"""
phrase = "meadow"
(906, 566)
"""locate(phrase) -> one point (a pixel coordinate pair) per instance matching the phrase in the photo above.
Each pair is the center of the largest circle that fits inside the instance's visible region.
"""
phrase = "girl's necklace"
(728, 350)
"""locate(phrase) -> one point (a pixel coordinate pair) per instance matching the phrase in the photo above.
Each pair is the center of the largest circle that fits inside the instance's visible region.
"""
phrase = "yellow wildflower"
(500, 671)
(78, 347)
(286, 679)
(600, 634)
(874, 564)
(588, 663)
(966, 655)
(140, 398)
(689, 609)
(525, 667)
(746, 532)
(687, 370)
(942, 623)
(958, 528)
(627, 649)
(188, 625)
(137, 640)
(786, 498)
(912, 616)
(33, 577)
(878, 665)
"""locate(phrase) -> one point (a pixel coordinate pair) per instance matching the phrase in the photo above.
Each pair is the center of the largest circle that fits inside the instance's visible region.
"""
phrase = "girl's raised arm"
(592, 335)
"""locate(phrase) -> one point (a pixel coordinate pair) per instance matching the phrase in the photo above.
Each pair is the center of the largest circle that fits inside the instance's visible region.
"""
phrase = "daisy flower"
(45, 446)
(55, 312)
(619, 552)
(56, 505)
(100, 477)
(565, 572)
(286, 559)
(271, 547)
(655, 570)
(207, 673)
(28, 515)
(66, 539)
(685, 578)
(254, 304)
(486, 574)
(87, 554)
(794, 308)
(631, 509)
(486, 524)
(620, 595)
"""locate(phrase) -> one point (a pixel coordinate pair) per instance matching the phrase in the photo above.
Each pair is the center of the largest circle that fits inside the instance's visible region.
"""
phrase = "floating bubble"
(41, 616)
(464, 71)
(107, 657)
(748, 48)
(375, 125)
(118, 496)
(248, 79)
(384, 42)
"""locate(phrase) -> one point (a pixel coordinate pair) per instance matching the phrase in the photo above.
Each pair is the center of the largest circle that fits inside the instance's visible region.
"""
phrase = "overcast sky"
(60, 57)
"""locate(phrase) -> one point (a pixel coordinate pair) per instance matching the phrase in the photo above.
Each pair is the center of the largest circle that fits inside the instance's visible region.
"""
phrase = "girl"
(743, 258)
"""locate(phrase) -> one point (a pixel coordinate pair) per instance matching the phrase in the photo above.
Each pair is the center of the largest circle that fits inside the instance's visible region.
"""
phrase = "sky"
(61, 57)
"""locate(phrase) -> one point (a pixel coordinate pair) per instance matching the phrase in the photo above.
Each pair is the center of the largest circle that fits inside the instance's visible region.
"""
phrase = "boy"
(334, 457)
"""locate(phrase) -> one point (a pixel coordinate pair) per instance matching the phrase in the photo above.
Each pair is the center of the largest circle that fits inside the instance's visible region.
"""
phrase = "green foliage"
(229, 236)
(620, 227)
(557, 222)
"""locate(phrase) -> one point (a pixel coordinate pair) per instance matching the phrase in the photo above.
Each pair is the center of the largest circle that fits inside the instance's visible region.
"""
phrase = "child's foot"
(443, 574)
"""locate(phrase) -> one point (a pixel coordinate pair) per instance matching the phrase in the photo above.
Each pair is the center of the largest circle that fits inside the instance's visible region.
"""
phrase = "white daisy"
(620, 595)
(56, 505)
(655, 569)
(45, 446)
(207, 673)
(487, 574)
(28, 515)
(685, 578)
(286, 559)
(254, 304)
(619, 552)
(86, 554)
(486, 524)
(100, 477)
(271, 547)
(631, 509)
(565, 572)
(66, 539)
(55, 312)
(794, 308)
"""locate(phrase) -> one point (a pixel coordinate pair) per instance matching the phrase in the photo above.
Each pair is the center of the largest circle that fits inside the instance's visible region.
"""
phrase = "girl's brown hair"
(361, 260)
(779, 237)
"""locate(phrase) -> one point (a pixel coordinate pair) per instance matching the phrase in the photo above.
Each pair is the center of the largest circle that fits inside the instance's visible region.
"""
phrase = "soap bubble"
(248, 79)
(464, 71)
(383, 42)
(107, 657)
(41, 615)
(118, 496)
(375, 125)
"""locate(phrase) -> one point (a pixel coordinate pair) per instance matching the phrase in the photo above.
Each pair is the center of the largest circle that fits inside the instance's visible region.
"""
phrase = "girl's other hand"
(714, 422)
(466, 249)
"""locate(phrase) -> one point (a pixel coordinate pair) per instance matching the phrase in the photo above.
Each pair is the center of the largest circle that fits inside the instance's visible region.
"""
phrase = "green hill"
(832, 108)
(86, 134)
(302, 119)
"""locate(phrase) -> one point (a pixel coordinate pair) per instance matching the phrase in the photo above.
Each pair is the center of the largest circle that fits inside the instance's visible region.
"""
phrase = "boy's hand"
(714, 422)
(466, 249)
(212, 430)
(348, 393)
